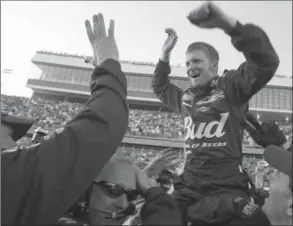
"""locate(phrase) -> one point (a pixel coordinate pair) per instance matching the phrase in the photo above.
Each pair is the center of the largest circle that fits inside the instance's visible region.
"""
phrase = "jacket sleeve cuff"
(237, 30)
(163, 67)
(113, 68)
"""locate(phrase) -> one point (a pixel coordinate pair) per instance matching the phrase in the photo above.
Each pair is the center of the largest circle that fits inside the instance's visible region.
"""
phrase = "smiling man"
(112, 193)
(214, 106)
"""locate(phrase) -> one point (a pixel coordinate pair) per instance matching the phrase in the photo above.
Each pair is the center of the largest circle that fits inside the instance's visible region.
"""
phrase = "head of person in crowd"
(39, 133)
(113, 192)
(201, 61)
(12, 129)
(278, 206)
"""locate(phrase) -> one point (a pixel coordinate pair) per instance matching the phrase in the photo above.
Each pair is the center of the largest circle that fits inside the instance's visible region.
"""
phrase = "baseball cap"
(19, 125)
(279, 158)
(251, 121)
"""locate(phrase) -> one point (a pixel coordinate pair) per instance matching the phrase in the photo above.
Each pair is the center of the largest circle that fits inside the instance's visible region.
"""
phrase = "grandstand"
(65, 77)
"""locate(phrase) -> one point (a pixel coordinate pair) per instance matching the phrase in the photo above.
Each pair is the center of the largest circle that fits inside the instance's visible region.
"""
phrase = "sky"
(58, 26)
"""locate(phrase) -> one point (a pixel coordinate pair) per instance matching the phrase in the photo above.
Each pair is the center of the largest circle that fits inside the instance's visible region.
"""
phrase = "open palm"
(103, 44)
(160, 162)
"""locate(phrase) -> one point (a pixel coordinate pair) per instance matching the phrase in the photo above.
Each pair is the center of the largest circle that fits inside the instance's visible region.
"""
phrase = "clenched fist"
(103, 44)
(209, 15)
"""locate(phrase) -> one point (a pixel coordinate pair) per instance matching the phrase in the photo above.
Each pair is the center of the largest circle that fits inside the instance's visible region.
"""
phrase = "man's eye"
(196, 61)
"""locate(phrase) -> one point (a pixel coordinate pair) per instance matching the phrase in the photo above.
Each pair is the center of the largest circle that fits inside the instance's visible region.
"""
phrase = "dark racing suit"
(213, 116)
(41, 182)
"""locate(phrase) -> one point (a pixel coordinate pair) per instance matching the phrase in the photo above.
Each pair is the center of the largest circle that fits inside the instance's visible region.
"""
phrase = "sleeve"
(54, 174)
(260, 66)
(167, 92)
(160, 208)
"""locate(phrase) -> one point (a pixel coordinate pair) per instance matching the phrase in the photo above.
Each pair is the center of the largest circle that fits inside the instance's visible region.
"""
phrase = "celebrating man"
(214, 107)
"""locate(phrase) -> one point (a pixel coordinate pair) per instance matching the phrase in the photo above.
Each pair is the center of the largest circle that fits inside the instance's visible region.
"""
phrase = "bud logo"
(204, 130)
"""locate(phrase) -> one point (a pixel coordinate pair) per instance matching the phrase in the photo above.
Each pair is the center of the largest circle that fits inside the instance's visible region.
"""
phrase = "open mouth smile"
(194, 75)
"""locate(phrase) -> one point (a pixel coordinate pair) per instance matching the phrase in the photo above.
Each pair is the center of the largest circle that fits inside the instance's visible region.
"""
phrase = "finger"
(111, 29)
(102, 29)
(167, 150)
(170, 30)
(96, 25)
(167, 154)
(171, 33)
(88, 59)
(171, 157)
(89, 31)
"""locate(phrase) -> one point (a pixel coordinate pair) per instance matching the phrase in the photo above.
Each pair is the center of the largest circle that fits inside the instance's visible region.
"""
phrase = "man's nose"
(191, 66)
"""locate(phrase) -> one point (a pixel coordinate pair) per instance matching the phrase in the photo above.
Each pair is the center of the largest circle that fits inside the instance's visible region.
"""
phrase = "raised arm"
(260, 66)
(41, 183)
(262, 60)
(167, 92)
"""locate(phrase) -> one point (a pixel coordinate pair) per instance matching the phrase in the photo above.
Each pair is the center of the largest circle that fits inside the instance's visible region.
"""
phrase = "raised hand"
(171, 40)
(209, 15)
(143, 182)
(103, 44)
(160, 162)
(169, 44)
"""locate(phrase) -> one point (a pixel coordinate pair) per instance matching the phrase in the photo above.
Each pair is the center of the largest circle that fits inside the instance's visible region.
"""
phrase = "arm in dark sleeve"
(167, 92)
(261, 63)
(160, 208)
(41, 183)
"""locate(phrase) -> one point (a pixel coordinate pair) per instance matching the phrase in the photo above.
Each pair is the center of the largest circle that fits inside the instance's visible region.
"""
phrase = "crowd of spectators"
(52, 114)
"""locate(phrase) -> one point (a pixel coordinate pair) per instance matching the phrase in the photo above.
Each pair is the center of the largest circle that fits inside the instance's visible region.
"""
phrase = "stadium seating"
(51, 114)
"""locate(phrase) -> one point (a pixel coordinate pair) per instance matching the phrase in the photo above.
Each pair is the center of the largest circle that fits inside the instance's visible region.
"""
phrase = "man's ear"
(214, 66)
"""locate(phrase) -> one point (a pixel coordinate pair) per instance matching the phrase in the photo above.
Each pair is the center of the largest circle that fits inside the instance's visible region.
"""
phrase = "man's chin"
(195, 83)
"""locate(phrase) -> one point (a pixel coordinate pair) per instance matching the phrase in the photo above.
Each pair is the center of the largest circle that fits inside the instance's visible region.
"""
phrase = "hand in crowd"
(51, 114)
(163, 160)
(103, 44)
(143, 182)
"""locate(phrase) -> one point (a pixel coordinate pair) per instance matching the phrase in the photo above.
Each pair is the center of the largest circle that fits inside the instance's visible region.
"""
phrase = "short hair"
(114, 160)
(208, 49)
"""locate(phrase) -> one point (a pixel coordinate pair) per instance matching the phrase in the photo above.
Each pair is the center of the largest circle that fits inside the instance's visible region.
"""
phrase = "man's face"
(6, 137)
(199, 68)
(278, 205)
(116, 188)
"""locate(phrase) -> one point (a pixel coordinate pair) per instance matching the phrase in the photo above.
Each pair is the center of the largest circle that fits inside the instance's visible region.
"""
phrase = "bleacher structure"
(67, 77)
